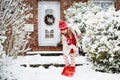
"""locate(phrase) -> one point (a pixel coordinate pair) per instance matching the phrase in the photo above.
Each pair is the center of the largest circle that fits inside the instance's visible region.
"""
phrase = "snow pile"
(37, 59)
(13, 71)
(5, 73)
(101, 30)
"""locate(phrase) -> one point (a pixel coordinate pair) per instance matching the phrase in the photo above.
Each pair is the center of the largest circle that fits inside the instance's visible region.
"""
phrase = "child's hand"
(79, 36)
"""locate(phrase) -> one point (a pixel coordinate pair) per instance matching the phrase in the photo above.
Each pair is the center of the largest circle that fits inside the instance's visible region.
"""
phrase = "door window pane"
(49, 34)
(52, 34)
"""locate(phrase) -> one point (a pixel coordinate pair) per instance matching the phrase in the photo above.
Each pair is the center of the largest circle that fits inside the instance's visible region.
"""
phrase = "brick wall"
(117, 4)
(33, 42)
(64, 4)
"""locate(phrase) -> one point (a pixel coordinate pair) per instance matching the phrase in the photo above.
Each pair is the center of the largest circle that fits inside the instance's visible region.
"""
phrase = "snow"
(37, 59)
(83, 72)
(11, 69)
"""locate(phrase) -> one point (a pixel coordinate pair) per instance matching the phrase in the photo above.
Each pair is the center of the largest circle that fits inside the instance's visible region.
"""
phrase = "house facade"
(44, 24)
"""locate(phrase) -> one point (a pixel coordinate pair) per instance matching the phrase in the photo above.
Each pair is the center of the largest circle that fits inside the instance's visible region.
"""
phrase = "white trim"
(39, 52)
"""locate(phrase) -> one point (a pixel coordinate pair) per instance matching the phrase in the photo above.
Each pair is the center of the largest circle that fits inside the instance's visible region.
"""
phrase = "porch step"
(45, 53)
(48, 65)
(52, 54)
(46, 61)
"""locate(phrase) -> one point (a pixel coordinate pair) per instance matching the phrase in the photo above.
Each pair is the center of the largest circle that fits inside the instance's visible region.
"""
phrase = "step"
(47, 65)
(43, 52)
(38, 60)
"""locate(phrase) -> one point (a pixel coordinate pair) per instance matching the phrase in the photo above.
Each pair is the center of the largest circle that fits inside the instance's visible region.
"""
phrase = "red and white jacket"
(66, 47)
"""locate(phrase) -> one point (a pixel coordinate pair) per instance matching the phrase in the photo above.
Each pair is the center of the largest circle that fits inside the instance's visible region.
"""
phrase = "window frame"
(101, 2)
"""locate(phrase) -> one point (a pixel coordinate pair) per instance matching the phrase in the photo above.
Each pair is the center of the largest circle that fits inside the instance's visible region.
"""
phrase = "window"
(49, 33)
(103, 3)
(49, 11)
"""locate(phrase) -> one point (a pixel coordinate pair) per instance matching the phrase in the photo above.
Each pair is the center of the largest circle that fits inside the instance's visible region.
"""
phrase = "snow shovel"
(68, 71)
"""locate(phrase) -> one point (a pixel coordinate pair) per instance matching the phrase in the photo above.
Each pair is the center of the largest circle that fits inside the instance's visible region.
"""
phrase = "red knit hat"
(62, 25)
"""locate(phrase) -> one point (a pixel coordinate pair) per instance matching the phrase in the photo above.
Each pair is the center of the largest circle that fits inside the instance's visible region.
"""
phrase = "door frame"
(42, 42)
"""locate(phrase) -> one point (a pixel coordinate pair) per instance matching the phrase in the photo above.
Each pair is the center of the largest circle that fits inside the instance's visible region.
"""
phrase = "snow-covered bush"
(12, 19)
(101, 30)
(102, 40)
(78, 13)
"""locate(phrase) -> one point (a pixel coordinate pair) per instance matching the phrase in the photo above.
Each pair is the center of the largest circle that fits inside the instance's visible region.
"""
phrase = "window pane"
(52, 34)
(49, 34)
(49, 11)
(51, 31)
(46, 34)
(46, 31)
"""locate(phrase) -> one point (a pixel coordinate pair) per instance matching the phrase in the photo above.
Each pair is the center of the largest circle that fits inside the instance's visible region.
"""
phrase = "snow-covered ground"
(13, 70)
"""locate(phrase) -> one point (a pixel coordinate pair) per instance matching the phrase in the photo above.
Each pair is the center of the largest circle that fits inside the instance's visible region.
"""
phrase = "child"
(70, 37)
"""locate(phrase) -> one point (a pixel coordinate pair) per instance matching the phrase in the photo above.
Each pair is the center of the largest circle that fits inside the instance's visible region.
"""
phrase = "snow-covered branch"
(12, 19)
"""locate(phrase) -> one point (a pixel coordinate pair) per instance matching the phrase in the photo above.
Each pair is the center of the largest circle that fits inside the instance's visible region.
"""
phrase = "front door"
(48, 18)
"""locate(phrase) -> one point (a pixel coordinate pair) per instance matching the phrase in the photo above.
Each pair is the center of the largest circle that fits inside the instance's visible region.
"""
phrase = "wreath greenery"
(49, 19)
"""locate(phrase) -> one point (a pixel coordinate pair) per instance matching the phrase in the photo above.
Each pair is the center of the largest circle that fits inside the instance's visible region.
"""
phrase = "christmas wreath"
(49, 19)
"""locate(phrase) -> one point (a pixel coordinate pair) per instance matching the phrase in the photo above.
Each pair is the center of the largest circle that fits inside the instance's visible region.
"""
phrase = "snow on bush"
(2, 39)
(12, 19)
(101, 39)
(77, 14)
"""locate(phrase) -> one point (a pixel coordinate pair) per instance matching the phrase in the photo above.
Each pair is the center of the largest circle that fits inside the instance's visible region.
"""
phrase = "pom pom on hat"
(62, 25)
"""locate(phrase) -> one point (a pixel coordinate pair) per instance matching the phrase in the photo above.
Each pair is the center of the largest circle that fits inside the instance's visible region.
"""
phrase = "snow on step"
(37, 59)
